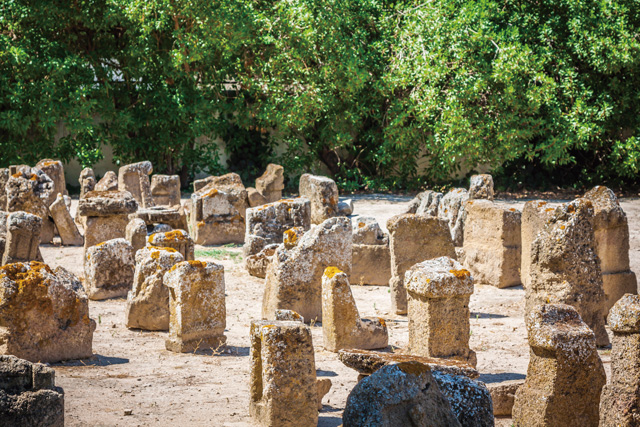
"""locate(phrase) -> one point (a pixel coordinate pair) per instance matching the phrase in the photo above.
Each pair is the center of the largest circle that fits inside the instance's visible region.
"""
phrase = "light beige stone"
(176, 239)
(134, 178)
(425, 203)
(109, 182)
(294, 277)
(162, 215)
(99, 229)
(535, 215)
(136, 234)
(322, 192)
(451, 209)
(439, 291)
(271, 183)
(481, 187)
(371, 255)
(108, 269)
(565, 374)
(4, 178)
(148, 301)
(67, 229)
(197, 306)
(255, 198)
(44, 314)
(30, 190)
(342, 326)
(224, 182)
(323, 385)
(288, 315)
(165, 190)
(412, 239)
(503, 396)
(54, 170)
(283, 386)
(87, 180)
(22, 238)
(257, 264)
(492, 243)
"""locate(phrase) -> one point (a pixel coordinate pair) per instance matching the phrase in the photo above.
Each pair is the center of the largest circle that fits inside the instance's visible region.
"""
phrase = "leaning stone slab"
(175, 239)
(322, 192)
(451, 209)
(148, 300)
(255, 198)
(439, 291)
(481, 187)
(283, 384)
(109, 182)
(22, 238)
(67, 229)
(134, 178)
(342, 326)
(165, 190)
(535, 215)
(33, 297)
(294, 277)
(28, 395)
(197, 306)
(406, 394)
(271, 183)
(108, 269)
(565, 374)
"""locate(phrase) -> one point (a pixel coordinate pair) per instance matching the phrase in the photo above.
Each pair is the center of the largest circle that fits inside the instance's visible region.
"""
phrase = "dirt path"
(132, 371)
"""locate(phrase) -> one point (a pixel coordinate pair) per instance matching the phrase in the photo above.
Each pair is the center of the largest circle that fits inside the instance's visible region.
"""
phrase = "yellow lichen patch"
(361, 224)
(163, 248)
(562, 227)
(197, 264)
(382, 322)
(49, 163)
(549, 210)
(413, 368)
(175, 235)
(17, 175)
(331, 271)
(541, 204)
(155, 255)
(470, 202)
(290, 237)
(460, 274)
(512, 209)
(212, 193)
(571, 208)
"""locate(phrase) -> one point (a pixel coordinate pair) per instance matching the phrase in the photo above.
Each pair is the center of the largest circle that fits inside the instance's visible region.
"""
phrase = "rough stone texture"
(165, 190)
(176, 239)
(271, 183)
(425, 203)
(367, 362)
(136, 234)
(371, 255)
(255, 198)
(535, 215)
(28, 395)
(227, 181)
(481, 187)
(289, 315)
(107, 203)
(197, 306)
(367, 231)
(54, 170)
(412, 239)
(87, 180)
(67, 229)
(612, 245)
(342, 326)
(565, 268)
(218, 211)
(323, 385)
(565, 374)
(267, 224)
(257, 264)
(3, 232)
(451, 209)
(22, 238)
(109, 182)
(4, 178)
(35, 298)
(439, 291)
(620, 398)
(345, 208)
(108, 269)
(322, 192)
(503, 395)
(405, 394)
(134, 178)
(492, 243)
(294, 277)
(162, 215)
(470, 400)
(283, 386)
(158, 228)
(148, 301)
(99, 229)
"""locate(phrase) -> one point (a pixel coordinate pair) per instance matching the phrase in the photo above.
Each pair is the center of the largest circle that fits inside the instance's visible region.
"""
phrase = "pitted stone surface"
(67, 229)
(322, 192)
(109, 182)
(367, 231)
(175, 239)
(30, 190)
(535, 215)
(257, 264)
(22, 238)
(165, 190)
(136, 234)
(54, 170)
(134, 178)
(271, 183)
(451, 209)
(87, 180)
(109, 269)
(481, 187)
(107, 203)
(425, 203)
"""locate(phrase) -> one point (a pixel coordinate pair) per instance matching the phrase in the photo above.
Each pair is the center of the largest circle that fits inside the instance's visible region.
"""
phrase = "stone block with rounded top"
(136, 234)
(165, 190)
(22, 238)
(87, 181)
(224, 182)
(451, 209)
(535, 215)
(134, 178)
(322, 192)
(108, 269)
(109, 182)
(565, 374)
(197, 310)
(30, 190)
(271, 183)
(176, 239)
(481, 187)
(439, 291)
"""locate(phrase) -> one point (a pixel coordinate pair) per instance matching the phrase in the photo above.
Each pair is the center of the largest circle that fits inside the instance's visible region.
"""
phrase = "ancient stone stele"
(322, 192)
(271, 183)
(108, 269)
(371, 255)
(535, 215)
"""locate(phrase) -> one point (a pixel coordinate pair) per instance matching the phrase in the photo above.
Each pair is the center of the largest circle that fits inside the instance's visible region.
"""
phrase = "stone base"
(177, 345)
(219, 232)
(371, 265)
(499, 267)
(503, 395)
(616, 285)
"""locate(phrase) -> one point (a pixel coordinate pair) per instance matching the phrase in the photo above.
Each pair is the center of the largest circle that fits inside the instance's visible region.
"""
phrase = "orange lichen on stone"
(382, 321)
(571, 208)
(460, 274)
(290, 237)
(212, 193)
(413, 368)
(198, 264)
(541, 204)
(175, 235)
(549, 210)
(512, 209)
(17, 175)
(562, 227)
(361, 224)
(49, 163)
(331, 271)
(163, 248)
(33, 177)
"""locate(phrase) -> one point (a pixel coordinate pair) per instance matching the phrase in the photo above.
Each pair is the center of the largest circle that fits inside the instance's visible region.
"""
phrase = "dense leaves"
(381, 94)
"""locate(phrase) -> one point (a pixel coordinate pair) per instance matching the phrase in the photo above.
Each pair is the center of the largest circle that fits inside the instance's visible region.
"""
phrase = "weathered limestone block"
(87, 180)
(492, 243)
(136, 234)
(148, 301)
(227, 181)
(612, 245)
(405, 394)
(481, 187)
(134, 178)
(107, 215)
(288, 315)
(271, 183)
(345, 207)
(29, 190)
(470, 399)
(108, 269)
(67, 229)
(4, 178)
(425, 203)
(197, 306)
(54, 170)
(255, 198)
(412, 239)
(283, 375)
(22, 238)
(323, 385)
(161, 215)
(620, 399)
(367, 231)
(3, 232)
(109, 182)
(565, 374)
(503, 396)
(99, 229)
(294, 277)
(535, 215)
(175, 239)
(28, 395)
(565, 268)
(371, 255)
(266, 224)
(165, 190)
(342, 326)
(451, 209)
(439, 291)
(33, 297)
(322, 192)
(218, 211)
(257, 264)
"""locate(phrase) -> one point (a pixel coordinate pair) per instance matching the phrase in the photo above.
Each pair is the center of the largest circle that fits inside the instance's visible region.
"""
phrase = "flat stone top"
(21, 219)
(439, 278)
(408, 219)
(283, 203)
(190, 267)
(144, 167)
(106, 203)
(559, 327)
(624, 316)
(169, 237)
(367, 362)
(489, 205)
(318, 179)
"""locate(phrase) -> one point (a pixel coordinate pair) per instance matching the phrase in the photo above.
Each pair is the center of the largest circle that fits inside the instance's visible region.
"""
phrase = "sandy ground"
(132, 372)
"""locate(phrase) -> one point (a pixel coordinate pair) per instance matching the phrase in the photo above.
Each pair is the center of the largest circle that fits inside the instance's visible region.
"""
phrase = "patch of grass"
(220, 254)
